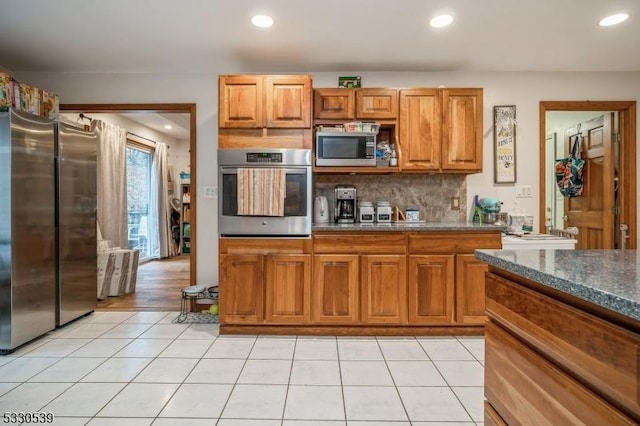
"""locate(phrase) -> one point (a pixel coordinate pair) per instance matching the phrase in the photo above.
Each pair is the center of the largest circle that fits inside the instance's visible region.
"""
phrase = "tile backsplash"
(430, 193)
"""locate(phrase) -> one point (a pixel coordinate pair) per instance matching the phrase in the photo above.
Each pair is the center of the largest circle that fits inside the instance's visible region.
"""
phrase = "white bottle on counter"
(393, 161)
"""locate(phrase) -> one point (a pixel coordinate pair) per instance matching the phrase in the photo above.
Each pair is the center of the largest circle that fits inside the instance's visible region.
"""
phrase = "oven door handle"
(234, 171)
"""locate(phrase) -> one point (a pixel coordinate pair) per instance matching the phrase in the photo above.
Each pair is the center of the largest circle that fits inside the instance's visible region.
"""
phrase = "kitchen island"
(562, 337)
(358, 279)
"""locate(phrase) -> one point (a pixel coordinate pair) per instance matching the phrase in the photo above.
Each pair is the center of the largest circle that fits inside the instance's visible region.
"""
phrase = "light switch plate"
(210, 192)
(524, 191)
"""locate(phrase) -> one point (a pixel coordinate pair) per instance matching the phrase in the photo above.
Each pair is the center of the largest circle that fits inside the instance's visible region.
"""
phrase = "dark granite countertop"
(407, 226)
(607, 278)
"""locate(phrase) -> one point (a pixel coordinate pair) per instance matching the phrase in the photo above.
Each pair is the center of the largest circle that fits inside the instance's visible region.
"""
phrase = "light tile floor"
(128, 368)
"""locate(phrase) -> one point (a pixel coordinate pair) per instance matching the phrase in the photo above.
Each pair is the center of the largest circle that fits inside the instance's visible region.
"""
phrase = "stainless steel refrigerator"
(76, 155)
(27, 228)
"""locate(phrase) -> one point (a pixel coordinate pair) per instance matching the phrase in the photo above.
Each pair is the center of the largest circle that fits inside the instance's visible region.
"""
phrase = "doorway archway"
(188, 108)
(627, 156)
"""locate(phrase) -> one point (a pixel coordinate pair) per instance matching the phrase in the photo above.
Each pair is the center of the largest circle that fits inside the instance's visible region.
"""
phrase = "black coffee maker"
(345, 211)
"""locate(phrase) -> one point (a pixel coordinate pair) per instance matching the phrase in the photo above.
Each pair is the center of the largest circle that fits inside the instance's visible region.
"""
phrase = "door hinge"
(616, 138)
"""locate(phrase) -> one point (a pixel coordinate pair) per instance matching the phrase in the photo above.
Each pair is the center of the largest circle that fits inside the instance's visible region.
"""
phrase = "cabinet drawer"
(457, 242)
(264, 245)
(379, 242)
(491, 417)
(525, 388)
(597, 352)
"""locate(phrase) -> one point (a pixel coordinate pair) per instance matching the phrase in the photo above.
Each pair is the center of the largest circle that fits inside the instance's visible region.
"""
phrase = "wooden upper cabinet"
(240, 101)
(441, 130)
(420, 129)
(350, 104)
(384, 289)
(338, 104)
(257, 101)
(288, 101)
(462, 129)
(376, 104)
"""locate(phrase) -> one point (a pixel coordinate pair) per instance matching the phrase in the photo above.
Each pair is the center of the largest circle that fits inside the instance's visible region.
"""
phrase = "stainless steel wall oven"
(295, 218)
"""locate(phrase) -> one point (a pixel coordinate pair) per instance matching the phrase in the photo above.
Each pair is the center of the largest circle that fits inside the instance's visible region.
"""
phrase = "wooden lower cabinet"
(525, 388)
(335, 289)
(351, 282)
(241, 288)
(265, 281)
(431, 288)
(383, 285)
(553, 359)
(465, 276)
(287, 289)
(470, 289)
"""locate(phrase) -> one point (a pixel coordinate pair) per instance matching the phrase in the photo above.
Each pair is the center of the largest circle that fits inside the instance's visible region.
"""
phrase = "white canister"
(412, 214)
(367, 212)
(383, 212)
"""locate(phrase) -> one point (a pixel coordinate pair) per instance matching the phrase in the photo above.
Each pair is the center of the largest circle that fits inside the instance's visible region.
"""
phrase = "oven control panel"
(264, 157)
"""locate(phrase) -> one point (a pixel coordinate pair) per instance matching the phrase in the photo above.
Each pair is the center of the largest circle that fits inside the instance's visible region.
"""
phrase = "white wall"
(525, 90)
(178, 154)
(180, 160)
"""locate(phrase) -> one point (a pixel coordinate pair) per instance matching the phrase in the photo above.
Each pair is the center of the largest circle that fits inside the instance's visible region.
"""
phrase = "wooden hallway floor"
(158, 287)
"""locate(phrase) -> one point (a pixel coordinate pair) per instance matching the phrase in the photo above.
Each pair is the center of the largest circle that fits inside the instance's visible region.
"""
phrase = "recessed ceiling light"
(262, 21)
(613, 19)
(441, 21)
(168, 126)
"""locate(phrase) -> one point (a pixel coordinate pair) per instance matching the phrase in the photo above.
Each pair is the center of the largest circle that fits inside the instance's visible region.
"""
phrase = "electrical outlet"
(455, 203)
(210, 192)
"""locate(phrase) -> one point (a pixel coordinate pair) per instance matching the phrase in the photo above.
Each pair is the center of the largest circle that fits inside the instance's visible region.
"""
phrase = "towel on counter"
(261, 191)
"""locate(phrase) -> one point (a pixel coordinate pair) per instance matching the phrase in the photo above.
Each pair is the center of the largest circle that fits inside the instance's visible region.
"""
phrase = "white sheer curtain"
(112, 183)
(159, 210)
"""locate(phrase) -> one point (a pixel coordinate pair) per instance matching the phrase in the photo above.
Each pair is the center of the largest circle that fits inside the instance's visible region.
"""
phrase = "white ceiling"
(179, 122)
(215, 36)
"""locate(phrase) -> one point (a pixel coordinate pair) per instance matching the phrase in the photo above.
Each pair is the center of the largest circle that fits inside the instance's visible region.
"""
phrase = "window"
(139, 159)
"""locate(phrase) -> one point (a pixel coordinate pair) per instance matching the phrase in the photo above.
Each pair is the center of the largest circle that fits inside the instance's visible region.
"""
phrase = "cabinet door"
(335, 289)
(240, 101)
(420, 129)
(462, 129)
(384, 289)
(287, 287)
(372, 104)
(470, 289)
(431, 287)
(337, 104)
(241, 289)
(288, 101)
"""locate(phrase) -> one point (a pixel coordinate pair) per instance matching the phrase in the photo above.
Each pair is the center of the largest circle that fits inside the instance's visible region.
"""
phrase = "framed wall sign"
(504, 143)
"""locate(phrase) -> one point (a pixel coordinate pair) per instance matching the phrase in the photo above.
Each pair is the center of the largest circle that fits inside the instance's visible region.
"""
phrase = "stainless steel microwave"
(345, 149)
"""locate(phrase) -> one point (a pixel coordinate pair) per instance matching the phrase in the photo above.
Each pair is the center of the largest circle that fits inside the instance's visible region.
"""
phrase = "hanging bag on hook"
(569, 172)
